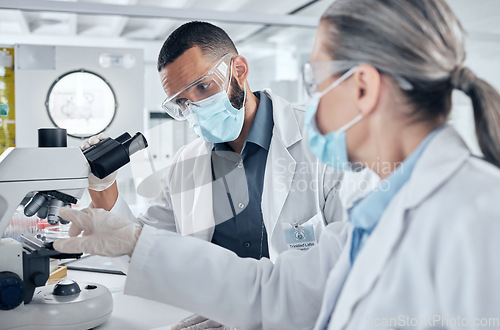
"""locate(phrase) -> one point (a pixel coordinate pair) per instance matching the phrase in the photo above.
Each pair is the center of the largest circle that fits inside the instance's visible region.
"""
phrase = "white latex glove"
(94, 182)
(198, 322)
(104, 233)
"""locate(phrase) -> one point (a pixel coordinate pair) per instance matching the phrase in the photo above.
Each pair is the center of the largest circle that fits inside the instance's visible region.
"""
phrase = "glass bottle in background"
(21, 224)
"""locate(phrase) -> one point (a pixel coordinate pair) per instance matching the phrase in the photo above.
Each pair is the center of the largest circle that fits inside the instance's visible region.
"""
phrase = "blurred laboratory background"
(90, 66)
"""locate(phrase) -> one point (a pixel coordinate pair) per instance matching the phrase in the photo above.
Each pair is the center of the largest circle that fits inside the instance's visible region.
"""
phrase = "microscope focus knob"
(11, 291)
(39, 279)
(66, 288)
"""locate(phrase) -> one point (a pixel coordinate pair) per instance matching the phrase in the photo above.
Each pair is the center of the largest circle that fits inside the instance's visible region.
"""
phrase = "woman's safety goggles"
(315, 73)
(214, 81)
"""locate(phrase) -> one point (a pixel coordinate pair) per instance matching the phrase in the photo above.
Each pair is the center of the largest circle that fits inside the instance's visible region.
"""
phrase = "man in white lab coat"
(250, 182)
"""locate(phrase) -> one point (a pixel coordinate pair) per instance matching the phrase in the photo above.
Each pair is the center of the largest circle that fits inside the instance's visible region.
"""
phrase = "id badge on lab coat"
(299, 237)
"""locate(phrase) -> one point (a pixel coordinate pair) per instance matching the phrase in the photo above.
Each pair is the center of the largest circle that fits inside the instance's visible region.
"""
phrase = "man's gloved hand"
(198, 322)
(104, 233)
(94, 182)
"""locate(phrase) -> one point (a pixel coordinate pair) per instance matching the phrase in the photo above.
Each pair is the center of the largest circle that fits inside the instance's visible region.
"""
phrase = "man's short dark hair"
(212, 40)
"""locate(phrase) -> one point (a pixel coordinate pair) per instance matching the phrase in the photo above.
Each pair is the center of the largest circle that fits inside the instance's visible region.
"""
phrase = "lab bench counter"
(130, 312)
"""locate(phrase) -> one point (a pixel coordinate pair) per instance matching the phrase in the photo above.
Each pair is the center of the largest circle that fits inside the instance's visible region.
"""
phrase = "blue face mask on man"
(215, 119)
(331, 148)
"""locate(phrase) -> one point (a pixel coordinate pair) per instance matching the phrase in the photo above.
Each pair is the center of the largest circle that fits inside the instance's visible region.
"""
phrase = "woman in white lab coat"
(421, 251)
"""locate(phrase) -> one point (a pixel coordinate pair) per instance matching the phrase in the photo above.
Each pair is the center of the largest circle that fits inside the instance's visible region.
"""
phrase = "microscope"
(44, 179)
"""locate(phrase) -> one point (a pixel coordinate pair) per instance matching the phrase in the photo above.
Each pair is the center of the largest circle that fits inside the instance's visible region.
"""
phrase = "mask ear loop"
(332, 86)
(339, 81)
(349, 125)
(358, 117)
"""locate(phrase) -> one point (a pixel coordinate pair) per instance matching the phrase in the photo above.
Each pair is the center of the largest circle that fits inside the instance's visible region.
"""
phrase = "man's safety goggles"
(212, 82)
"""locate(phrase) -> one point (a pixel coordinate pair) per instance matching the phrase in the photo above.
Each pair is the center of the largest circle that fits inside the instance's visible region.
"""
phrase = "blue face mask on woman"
(331, 148)
(215, 119)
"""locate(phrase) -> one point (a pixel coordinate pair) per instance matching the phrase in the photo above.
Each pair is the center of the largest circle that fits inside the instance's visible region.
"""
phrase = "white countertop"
(130, 312)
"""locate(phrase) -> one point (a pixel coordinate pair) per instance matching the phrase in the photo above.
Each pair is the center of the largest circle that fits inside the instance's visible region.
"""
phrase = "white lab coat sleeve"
(122, 209)
(468, 283)
(159, 214)
(241, 292)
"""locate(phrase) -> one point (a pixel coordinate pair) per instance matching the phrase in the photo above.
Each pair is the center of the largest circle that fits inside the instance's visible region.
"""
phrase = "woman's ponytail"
(486, 104)
(422, 42)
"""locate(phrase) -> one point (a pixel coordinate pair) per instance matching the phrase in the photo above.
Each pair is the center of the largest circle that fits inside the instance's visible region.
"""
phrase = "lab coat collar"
(436, 165)
(261, 131)
(444, 155)
(289, 129)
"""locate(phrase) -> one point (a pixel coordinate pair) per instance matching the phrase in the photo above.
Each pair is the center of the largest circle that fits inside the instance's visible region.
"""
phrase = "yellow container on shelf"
(7, 101)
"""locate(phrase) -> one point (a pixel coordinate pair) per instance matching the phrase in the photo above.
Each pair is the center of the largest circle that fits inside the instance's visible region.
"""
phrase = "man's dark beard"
(237, 94)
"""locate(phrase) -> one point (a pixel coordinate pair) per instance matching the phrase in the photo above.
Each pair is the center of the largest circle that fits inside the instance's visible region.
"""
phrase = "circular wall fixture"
(82, 102)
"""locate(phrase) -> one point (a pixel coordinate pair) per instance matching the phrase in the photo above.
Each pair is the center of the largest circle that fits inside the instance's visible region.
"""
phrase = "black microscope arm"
(36, 262)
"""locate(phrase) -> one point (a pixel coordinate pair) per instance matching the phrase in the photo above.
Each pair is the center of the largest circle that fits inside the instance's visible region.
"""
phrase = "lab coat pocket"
(303, 235)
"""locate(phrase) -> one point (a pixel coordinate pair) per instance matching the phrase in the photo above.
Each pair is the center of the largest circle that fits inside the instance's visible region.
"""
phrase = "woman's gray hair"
(423, 43)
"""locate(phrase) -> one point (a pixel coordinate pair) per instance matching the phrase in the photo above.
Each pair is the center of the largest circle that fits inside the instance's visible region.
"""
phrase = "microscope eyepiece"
(135, 143)
(110, 154)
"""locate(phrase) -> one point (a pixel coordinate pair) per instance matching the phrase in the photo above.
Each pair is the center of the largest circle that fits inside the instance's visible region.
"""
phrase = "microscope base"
(85, 310)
